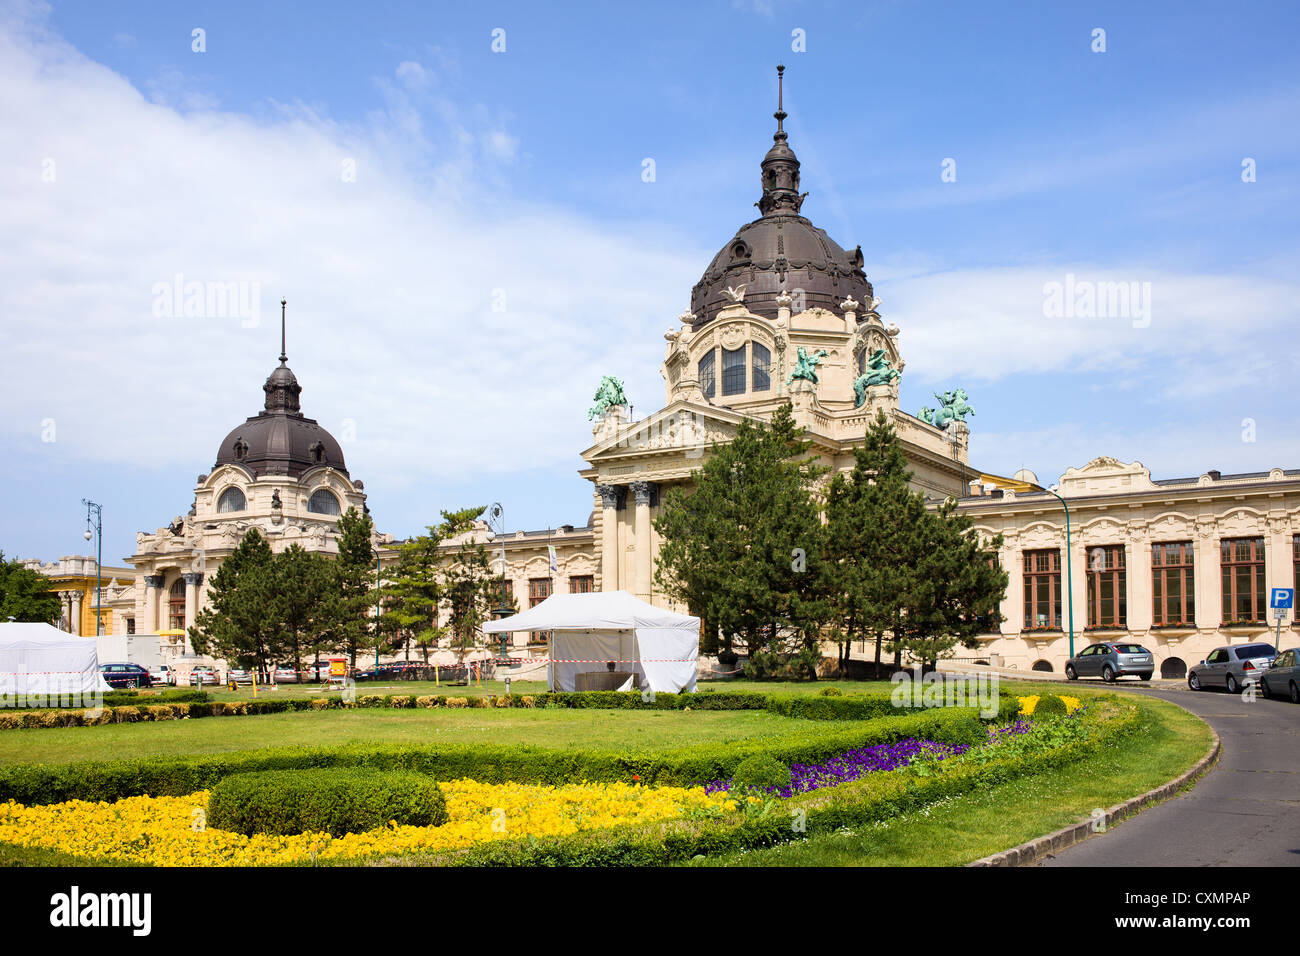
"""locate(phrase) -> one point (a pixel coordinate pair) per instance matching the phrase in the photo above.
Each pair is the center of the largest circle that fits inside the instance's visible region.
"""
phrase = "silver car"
(1233, 667)
(1283, 676)
(1111, 660)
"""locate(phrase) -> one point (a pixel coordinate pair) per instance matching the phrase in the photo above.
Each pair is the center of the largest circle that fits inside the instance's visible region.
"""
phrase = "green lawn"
(561, 729)
(975, 825)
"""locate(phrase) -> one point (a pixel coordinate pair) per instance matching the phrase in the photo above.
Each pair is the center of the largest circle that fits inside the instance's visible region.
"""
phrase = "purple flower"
(853, 764)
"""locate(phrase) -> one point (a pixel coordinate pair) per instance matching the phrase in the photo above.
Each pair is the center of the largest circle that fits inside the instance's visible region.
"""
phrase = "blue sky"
(521, 172)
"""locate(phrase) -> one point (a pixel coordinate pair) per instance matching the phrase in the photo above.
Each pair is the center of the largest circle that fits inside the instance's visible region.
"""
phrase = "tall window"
(539, 589)
(762, 367)
(1242, 564)
(232, 499)
(176, 604)
(1173, 584)
(733, 371)
(323, 503)
(1107, 588)
(582, 584)
(1042, 589)
(1295, 561)
(708, 376)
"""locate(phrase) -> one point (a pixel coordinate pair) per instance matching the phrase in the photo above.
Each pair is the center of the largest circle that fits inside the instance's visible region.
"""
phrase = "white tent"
(39, 662)
(590, 630)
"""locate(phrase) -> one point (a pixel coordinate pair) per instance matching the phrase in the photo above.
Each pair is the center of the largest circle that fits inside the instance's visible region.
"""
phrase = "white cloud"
(391, 279)
(1207, 334)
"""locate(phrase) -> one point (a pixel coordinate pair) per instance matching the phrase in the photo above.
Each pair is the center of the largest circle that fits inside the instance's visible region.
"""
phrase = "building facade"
(1180, 565)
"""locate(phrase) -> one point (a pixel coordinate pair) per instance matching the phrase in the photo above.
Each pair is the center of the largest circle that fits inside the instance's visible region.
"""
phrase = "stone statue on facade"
(877, 371)
(609, 393)
(952, 408)
(806, 365)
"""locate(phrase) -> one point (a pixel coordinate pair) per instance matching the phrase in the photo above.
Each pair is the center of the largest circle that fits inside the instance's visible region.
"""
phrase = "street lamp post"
(375, 552)
(98, 535)
(497, 513)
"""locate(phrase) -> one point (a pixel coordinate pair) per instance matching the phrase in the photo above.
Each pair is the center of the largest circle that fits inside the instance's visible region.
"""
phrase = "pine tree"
(873, 528)
(240, 622)
(354, 591)
(303, 582)
(744, 549)
(469, 589)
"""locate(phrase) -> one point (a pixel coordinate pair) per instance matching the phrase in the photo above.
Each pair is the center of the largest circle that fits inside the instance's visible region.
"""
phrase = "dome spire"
(282, 388)
(780, 165)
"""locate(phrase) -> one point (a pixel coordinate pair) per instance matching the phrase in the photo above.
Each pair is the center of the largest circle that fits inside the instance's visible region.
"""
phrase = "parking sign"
(1281, 599)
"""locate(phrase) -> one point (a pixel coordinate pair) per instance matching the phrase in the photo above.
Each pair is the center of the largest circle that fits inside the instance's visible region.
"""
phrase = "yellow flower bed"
(170, 831)
(1027, 704)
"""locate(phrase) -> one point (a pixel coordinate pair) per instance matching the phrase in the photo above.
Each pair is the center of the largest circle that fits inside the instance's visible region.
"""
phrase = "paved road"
(1244, 812)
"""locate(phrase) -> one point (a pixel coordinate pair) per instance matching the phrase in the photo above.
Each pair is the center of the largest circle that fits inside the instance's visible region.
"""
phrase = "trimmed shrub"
(284, 802)
(457, 702)
(762, 772)
(1050, 707)
(831, 692)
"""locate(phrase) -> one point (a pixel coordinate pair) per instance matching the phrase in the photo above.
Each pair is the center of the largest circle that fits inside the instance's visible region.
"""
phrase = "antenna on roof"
(283, 358)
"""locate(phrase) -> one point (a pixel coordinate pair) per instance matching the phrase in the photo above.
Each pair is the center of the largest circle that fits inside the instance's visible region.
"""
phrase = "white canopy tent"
(589, 630)
(40, 661)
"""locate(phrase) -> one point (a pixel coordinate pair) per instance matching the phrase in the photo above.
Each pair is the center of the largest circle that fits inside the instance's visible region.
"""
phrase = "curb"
(1026, 854)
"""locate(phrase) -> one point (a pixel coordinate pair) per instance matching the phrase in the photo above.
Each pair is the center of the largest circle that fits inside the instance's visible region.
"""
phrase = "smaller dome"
(279, 440)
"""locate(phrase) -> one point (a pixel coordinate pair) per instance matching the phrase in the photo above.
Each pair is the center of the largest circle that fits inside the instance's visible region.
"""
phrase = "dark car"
(1110, 661)
(1232, 666)
(1283, 676)
(126, 675)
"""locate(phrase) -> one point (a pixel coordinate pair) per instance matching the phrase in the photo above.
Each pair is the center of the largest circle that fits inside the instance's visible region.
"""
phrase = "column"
(192, 581)
(1137, 574)
(75, 626)
(153, 601)
(644, 559)
(609, 495)
(1208, 569)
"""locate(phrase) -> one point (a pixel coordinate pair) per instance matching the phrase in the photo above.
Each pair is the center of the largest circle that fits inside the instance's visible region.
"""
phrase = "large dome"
(781, 250)
(279, 440)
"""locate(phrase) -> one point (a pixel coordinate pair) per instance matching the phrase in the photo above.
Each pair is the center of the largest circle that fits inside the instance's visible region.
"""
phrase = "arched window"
(1045, 666)
(762, 368)
(733, 371)
(1173, 668)
(176, 604)
(709, 380)
(323, 502)
(232, 499)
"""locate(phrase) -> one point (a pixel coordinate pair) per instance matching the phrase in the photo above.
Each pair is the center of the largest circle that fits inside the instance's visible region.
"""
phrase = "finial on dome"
(283, 358)
(780, 113)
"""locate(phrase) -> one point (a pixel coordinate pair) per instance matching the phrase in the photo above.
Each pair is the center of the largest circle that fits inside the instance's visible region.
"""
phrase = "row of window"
(737, 373)
(321, 502)
(1173, 584)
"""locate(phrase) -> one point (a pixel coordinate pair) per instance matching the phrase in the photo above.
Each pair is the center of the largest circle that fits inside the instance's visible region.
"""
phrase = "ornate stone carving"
(736, 295)
(643, 490)
(611, 496)
(193, 578)
(154, 580)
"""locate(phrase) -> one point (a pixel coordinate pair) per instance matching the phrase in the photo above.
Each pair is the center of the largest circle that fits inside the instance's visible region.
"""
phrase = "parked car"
(1110, 661)
(240, 676)
(1231, 666)
(162, 674)
(1283, 676)
(125, 675)
(287, 675)
(202, 675)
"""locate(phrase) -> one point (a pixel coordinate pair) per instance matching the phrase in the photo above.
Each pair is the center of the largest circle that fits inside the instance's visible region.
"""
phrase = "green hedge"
(876, 797)
(337, 802)
(187, 704)
(177, 776)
